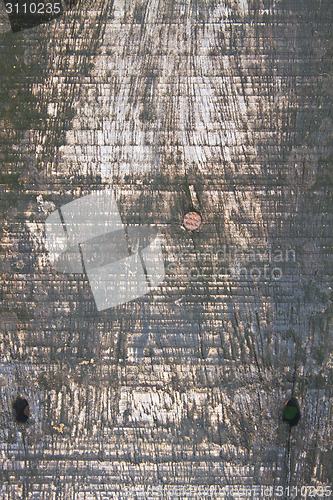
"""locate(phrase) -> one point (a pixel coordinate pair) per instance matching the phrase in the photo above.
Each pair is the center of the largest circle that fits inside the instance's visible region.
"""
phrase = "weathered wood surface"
(228, 101)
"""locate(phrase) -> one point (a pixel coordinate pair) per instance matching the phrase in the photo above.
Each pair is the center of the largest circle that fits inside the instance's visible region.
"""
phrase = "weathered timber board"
(229, 100)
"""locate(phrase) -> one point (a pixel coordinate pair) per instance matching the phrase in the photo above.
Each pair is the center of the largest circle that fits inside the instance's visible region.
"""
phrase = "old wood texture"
(218, 106)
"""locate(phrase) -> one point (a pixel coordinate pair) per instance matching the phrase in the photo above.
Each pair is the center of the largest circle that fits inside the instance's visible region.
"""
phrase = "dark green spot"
(290, 412)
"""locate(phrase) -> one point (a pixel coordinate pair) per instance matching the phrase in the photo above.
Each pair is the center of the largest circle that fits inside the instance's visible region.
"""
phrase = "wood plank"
(224, 105)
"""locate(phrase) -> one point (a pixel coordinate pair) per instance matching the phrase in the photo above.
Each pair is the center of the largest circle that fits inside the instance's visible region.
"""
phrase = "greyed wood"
(184, 386)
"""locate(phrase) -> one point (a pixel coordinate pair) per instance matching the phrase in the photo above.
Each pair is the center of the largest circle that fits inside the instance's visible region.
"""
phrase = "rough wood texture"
(218, 105)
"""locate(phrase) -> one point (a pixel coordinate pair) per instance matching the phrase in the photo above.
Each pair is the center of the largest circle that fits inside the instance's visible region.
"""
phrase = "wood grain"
(165, 100)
